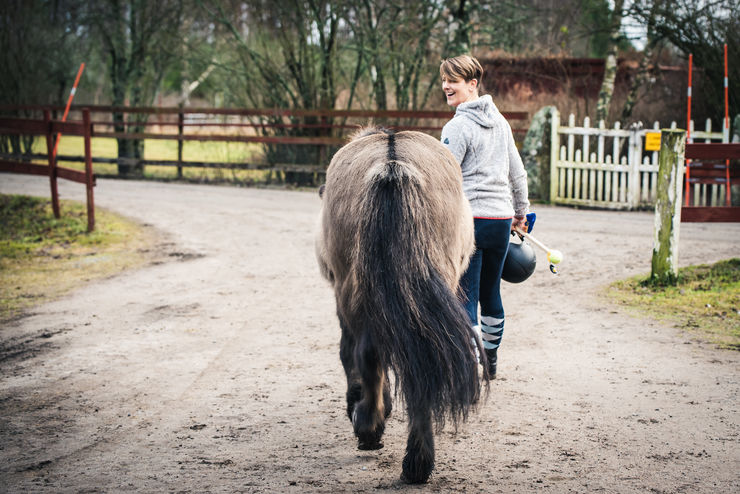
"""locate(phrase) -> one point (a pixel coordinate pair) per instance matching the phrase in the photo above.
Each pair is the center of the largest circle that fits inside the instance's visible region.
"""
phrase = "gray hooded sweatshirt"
(494, 179)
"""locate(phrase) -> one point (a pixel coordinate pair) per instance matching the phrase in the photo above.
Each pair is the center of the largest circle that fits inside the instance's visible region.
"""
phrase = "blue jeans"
(481, 283)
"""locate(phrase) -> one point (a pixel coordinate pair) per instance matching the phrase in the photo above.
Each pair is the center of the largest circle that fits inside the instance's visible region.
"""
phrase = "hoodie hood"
(481, 111)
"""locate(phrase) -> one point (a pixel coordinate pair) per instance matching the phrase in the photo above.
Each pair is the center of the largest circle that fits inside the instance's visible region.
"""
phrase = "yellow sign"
(652, 141)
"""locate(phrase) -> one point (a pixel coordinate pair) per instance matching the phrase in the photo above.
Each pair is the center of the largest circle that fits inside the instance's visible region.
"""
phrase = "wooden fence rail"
(325, 130)
(49, 128)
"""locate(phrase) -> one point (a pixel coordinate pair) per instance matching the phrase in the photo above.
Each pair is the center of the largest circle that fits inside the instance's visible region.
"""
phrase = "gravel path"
(218, 371)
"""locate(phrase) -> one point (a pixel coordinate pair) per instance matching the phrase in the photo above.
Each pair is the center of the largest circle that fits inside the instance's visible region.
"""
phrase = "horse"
(395, 234)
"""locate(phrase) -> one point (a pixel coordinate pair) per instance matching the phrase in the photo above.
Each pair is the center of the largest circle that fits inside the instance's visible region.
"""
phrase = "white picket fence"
(609, 168)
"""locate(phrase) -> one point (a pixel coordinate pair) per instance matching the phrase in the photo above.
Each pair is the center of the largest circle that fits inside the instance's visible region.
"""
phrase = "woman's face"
(459, 91)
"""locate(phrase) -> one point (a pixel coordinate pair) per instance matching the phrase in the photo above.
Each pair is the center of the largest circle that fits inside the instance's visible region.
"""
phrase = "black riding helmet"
(519, 263)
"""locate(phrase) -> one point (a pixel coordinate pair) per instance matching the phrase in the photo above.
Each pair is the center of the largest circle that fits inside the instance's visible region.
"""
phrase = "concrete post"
(671, 164)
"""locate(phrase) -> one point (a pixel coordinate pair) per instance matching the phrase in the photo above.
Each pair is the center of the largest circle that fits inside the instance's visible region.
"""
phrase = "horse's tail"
(416, 323)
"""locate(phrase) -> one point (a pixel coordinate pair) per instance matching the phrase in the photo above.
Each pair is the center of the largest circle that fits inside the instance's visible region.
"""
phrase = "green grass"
(705, 302)
(157, 149)
(42, 257)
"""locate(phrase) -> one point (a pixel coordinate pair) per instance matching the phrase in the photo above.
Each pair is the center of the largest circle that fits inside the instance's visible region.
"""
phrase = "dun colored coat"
(395, 236)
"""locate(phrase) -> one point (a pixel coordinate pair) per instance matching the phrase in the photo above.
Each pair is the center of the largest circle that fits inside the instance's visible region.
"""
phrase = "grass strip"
(705, 301)
(42, 258)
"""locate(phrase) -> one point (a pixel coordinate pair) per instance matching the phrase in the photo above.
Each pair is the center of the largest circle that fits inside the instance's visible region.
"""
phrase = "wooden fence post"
(52, 166)
(180, 131)
(668, 207)
(89, 177)
(554, 153)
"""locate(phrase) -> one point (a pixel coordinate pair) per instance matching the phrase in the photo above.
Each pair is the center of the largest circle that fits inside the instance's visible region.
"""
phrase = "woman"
(495, 183)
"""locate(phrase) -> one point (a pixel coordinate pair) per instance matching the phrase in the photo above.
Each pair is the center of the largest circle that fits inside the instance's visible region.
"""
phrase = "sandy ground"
(218, 371)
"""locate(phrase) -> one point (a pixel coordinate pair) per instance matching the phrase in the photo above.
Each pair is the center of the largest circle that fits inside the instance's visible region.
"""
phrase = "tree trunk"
(461, 22)
(642, 70)
(130, 153)
(610, 65)
(374, 60)
(640, 79)
(140, 40)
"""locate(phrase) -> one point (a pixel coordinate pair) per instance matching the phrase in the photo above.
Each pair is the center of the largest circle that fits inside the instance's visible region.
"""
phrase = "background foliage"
(362, 54)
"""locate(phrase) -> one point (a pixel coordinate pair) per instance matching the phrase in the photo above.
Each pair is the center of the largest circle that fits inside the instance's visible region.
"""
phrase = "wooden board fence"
(609, 168)
(49, 128)
(326, 130)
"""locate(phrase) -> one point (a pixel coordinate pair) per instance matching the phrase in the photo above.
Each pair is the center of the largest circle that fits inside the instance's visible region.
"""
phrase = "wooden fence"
(323, 131)
(50, 128)
(711, 165)
(609, 168)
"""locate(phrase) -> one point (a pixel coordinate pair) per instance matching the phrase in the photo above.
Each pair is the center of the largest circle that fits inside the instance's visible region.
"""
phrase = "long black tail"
(418, 325)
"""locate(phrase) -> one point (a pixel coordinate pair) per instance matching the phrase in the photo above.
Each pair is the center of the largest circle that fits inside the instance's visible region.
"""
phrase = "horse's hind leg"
(387, 400)
(418, 462)
(347, 356)
(369, 414)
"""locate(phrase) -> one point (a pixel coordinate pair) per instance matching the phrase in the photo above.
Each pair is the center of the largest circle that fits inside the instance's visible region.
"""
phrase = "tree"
(41, 47)
(409, 64)
(367, 21)
(400, 44)
(701, 28)
(543, 27)
(287, 50)
(642, 75)
(461, 27)
(281, 55)
(140, 41)
(610, 64)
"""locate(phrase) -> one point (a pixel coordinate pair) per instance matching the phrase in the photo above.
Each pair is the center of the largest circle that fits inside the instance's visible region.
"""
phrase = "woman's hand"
(519, 223)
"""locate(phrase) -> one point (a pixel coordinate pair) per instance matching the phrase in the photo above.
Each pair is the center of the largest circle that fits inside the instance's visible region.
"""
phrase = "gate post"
(668, 207)
(633, 180)
(554, 153)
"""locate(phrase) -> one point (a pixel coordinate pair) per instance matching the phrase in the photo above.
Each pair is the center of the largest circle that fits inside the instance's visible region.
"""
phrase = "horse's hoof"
(369, 445)
(366, 439)
(416, 468)
(422, 479)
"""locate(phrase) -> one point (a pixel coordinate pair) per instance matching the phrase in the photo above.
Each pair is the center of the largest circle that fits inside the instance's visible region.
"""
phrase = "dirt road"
(218, 371)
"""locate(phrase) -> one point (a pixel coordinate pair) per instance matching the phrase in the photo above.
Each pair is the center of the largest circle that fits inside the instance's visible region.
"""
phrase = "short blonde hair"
(463, 67)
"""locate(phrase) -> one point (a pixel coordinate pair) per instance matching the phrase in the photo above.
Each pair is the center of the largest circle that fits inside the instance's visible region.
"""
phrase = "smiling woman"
(495, 183)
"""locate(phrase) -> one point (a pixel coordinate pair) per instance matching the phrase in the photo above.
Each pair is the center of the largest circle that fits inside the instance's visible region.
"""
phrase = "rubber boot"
(491, 354)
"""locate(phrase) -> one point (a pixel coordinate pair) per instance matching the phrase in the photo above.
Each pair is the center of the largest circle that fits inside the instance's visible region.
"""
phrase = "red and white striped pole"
(688, 132)
(66, 109)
